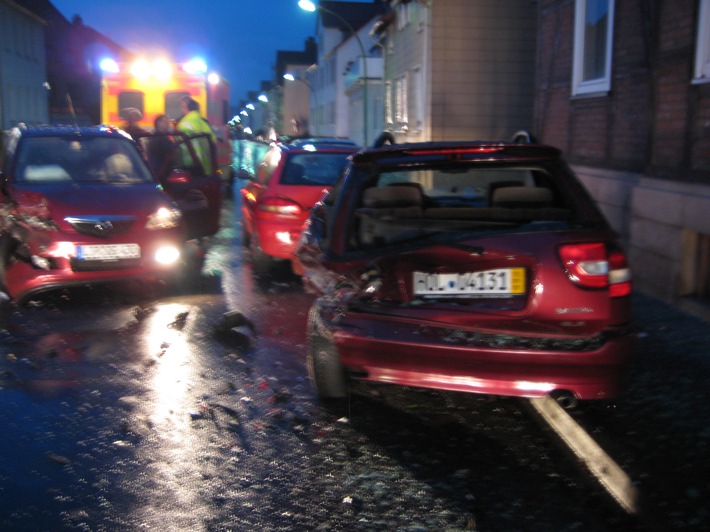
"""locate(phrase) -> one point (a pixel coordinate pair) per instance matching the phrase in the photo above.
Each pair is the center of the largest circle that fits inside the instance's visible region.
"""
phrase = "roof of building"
(357, 14)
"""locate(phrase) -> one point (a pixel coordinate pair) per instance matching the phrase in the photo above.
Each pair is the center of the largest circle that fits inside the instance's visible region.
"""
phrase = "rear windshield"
(79, 159)
(409, 203)
(316, 168)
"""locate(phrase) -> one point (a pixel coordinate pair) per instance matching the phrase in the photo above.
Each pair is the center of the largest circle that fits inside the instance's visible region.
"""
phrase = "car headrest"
(392, 196)
(533, 197)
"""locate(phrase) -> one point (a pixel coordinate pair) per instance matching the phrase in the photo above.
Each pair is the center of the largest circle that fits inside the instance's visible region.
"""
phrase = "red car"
(277, 201)
(470, 266)
(79, 206)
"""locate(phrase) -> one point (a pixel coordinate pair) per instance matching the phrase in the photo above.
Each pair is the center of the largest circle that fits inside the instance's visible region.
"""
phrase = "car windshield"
(316, 168)
(79, 160)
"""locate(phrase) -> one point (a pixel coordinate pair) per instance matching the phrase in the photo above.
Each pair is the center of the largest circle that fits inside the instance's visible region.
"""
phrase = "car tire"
(324, 368)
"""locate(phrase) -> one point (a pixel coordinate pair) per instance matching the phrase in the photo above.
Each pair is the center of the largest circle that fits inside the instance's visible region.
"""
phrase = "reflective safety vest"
(193, 124)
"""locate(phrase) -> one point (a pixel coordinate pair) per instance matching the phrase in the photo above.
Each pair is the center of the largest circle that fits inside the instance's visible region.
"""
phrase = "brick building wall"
(643, 147)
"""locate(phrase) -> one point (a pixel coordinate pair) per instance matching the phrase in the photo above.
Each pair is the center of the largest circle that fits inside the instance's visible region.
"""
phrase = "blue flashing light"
(108, 64)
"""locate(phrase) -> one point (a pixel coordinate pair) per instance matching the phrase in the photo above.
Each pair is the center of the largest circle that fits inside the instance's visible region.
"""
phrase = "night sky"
(237, 38)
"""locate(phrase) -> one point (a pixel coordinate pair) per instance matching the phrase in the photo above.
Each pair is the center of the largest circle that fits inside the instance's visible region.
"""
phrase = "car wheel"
(324, 368)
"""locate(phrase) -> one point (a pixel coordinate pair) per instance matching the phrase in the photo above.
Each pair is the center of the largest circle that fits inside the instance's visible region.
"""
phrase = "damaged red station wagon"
(482, 267)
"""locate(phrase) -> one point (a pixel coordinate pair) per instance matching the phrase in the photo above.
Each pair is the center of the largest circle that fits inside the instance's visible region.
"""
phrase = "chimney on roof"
(77, 20)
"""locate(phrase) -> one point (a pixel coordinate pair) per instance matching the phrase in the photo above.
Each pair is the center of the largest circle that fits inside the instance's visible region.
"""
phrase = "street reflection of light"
(173, 371)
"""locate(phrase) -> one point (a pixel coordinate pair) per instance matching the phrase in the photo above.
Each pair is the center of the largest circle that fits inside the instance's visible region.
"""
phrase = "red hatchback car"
(470, 266)
(79, 206)
(277, 201)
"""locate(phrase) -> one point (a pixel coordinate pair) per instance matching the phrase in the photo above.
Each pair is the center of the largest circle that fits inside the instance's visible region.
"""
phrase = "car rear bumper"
(279, 238)
(378, 349)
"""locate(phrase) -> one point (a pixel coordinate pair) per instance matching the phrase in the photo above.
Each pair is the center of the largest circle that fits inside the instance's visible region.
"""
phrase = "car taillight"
(282, 206)
(594, 266)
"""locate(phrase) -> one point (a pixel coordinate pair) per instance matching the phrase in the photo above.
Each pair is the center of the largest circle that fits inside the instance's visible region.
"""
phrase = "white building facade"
(23, 88)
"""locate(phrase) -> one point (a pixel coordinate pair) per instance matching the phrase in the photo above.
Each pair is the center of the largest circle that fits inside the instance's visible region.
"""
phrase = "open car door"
(187, 169)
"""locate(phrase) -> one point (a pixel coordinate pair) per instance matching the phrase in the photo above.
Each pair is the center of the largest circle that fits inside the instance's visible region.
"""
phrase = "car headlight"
(164, 218)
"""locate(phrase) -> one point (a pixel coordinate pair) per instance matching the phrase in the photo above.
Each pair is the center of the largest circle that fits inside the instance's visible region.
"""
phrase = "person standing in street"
(132, 116)
(161, 148)
(192, 124)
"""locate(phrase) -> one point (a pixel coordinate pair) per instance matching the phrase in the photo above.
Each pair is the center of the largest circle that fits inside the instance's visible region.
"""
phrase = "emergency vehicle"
(156, 88)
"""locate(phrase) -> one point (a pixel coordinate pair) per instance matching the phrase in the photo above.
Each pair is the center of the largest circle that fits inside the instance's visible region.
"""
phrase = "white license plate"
(501, 282)
(108, 252)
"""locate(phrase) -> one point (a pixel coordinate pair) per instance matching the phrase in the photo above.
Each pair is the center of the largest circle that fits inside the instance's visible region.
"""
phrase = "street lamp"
(308, 5)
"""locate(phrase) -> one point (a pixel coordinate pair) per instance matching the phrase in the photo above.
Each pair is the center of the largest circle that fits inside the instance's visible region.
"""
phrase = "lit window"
(594, 26)
(702, 53)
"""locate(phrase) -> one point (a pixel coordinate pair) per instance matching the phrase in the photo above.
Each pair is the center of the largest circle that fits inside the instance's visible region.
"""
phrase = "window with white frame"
(702, 52)
(593, 30)
(403, 16)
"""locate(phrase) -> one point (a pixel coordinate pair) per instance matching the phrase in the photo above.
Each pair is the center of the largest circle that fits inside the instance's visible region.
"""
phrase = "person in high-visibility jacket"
(193, 124)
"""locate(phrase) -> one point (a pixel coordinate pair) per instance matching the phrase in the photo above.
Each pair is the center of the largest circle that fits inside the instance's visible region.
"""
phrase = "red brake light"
(593, 266)
(283, 206)
(457, 151)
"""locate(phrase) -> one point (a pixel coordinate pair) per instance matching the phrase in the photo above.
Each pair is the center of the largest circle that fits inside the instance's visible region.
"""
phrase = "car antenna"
(71, 109)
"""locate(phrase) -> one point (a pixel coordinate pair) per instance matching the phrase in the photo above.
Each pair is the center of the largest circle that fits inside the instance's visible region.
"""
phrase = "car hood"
(134, 200)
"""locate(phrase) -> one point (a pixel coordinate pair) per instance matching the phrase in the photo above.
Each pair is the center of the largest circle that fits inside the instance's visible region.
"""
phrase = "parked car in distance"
(79, 206)
(481, 267)
(277, 200)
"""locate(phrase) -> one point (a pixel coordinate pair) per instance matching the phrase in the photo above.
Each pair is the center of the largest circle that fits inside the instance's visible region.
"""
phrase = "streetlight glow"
(263, 98)
(307, 5)
(288, 76)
